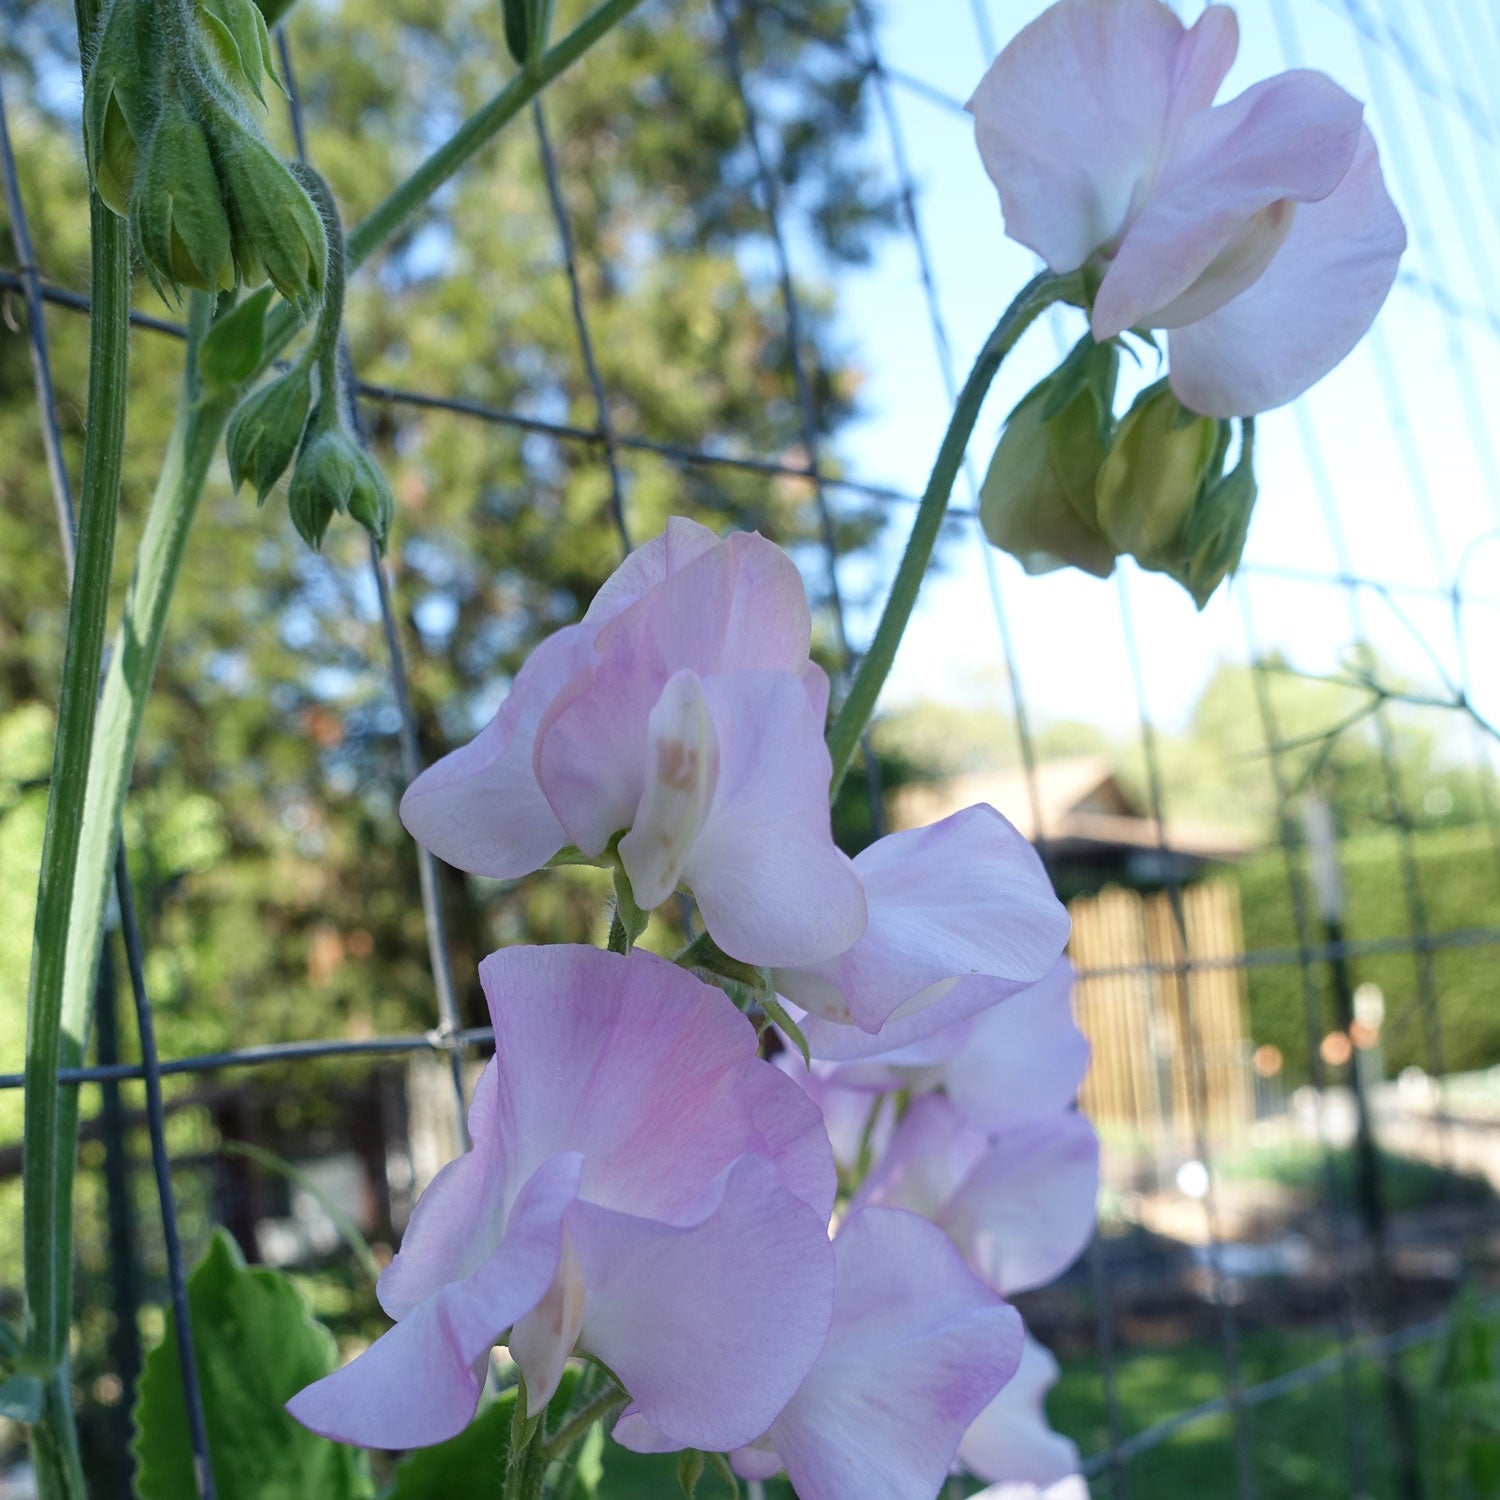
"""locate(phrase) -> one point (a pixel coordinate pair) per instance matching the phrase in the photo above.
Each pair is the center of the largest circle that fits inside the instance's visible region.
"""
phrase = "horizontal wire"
(1266, 1391)
(440, 1041)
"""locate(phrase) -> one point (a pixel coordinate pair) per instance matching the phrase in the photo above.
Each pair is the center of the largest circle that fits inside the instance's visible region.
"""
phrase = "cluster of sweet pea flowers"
(647, 1188)
(1256, 234)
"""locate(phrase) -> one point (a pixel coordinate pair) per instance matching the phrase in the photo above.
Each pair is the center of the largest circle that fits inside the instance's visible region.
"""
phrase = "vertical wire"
(906, 191)
(806, 406)
(1191, 1041)
(1345, 1309)
(1422, 499)
(63, 503)
(604, 424)
(433, 916)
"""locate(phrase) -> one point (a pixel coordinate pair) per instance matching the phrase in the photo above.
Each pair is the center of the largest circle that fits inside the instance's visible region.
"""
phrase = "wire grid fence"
(1457, 104)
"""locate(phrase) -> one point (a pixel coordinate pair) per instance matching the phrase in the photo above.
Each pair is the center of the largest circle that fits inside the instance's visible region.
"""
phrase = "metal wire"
(1443, 101)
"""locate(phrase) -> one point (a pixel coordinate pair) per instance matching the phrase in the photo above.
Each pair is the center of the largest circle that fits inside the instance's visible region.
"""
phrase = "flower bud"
(235, 344)
(176, 215)
(265, 430)
(1217, 529)
(1153, 473)
(239, 43)
(277, 232)
(120, 100)
(335, 475)
(527, 24)
(1037, 500)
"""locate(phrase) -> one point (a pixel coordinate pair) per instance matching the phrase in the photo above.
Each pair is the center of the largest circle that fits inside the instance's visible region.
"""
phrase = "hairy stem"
(875, 668)
(576, 1428)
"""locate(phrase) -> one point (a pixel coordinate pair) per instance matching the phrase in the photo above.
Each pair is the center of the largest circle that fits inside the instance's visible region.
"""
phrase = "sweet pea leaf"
(257, 1345)
(473, 1463)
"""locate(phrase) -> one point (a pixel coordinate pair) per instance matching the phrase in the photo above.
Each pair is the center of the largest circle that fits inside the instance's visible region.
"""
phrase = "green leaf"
(232, 348)
(720, 1465)
(257, 1345)
(473, 1463)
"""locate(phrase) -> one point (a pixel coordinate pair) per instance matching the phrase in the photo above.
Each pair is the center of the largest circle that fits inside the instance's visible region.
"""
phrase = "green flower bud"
(1156, 467)
(277, 232)
(334, 475)
(527, 24)
(176, 214)
(1218, 526)
(239, 43)
(120, 99)
(265, 430)
(1037, 500)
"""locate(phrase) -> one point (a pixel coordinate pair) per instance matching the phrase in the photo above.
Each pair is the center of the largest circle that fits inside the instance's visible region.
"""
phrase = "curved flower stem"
(855, 713)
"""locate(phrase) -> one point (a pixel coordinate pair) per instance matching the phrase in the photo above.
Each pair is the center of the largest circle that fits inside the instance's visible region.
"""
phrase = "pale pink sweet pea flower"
(639, 1177)
(961, 915)
(1009, 1442)
(916, 1349)
(1258, 233)
(1071, 1488)
(1023, 1058)
(684, 713)
(1019, 1202)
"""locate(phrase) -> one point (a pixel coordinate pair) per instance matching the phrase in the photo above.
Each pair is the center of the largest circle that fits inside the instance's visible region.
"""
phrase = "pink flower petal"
(711, 1326)
(1075, 116)
(1203, 234)
(966, 896)
(1010, 1440)
(770, 883)
(916, 1349)
(1024, 1058)
(739, 606)
(480, 808)
(1316, 300)
(643, 1068)
(419, 1383)
(1019, 1203)
(1027, 1209)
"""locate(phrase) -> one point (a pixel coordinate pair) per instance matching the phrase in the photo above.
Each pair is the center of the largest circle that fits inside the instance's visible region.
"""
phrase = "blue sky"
(1395, 445)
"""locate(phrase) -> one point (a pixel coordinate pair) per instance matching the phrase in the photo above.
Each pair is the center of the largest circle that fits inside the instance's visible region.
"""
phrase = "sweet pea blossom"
(639, 1178)
(1258, 232)
(1017, 1201)
(1024, 1058)
(1009, 1442)
(683, 713)
(961, 915)
(916, 1349)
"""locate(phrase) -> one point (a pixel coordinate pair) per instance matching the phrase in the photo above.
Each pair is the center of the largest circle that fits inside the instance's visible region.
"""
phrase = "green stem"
(470, 137)
(875, 668)
(49, 1044)
(190, 451)
(54, 1442)
(576, 1428)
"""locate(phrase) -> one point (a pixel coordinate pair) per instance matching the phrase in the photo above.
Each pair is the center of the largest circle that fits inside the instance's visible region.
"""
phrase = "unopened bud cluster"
(332, 474)
(1071, 485)
(173, 104)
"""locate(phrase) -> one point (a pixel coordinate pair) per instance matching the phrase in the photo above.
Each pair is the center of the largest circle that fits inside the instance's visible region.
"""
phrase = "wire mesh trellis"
(1452, 103)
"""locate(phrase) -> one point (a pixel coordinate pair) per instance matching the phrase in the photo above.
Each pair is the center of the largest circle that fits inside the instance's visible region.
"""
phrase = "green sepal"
(239, 42)
(720, 1465)
(121, 99)
(629, 920)
(265, 430)
(235, 344)
(1220, 523)
(776, 1011)
(689, 1471)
